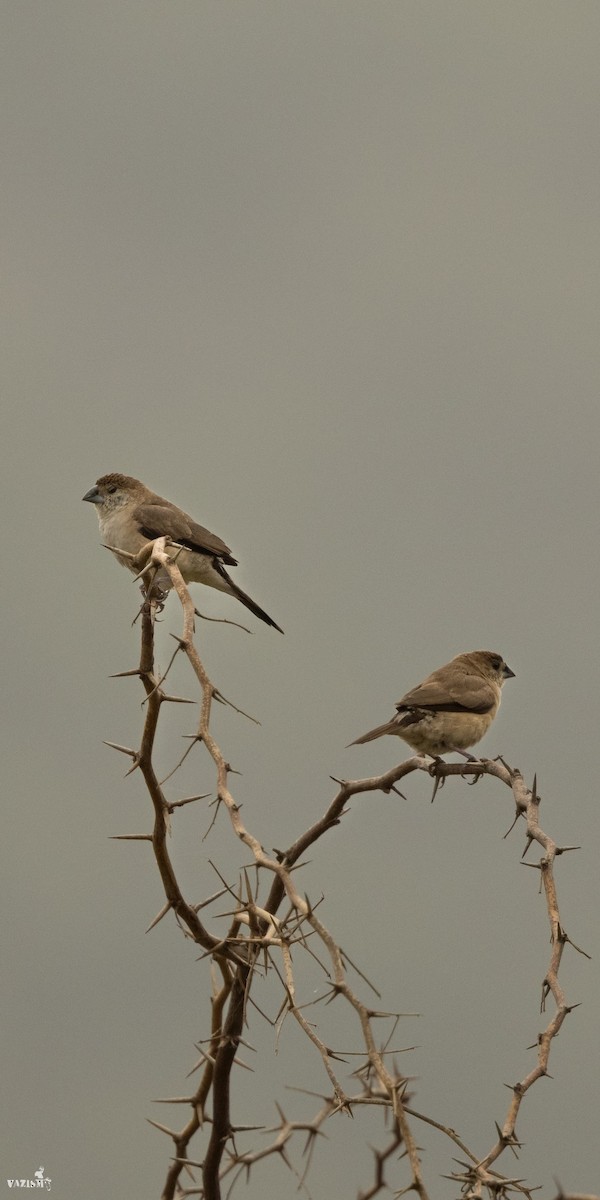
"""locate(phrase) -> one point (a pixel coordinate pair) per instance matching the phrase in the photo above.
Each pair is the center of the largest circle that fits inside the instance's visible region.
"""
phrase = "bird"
(130, 515)
(451, 709)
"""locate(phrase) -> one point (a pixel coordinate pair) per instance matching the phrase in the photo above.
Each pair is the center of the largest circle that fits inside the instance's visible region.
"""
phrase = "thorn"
(188, 800)
(130, 837)
(511, 827)
(439, 783)
(123, 749)
(150, 566)
(393, 788)
(248, 1046)
(203, 903)
(241, 1063)
(337, 1057)
(577, 948)
(223, 700)
(208, 1058)
(163, 1128)
(124, 553)
(163, 912)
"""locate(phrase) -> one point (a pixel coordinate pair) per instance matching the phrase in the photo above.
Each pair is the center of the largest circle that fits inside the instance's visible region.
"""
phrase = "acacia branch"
(259, 933)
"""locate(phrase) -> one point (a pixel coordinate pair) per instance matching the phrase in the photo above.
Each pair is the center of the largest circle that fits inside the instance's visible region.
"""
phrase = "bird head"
(490, 664)
(113, 491)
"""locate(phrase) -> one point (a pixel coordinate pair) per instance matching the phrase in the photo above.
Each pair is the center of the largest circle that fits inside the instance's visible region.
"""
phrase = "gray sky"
(326, 274)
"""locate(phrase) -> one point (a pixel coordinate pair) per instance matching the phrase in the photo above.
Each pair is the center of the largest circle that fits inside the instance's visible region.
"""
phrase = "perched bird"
(130, 515)
(452, 708)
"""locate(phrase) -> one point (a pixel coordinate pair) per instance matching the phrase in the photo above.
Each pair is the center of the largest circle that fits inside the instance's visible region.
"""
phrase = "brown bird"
(130, 515)
(452, 708)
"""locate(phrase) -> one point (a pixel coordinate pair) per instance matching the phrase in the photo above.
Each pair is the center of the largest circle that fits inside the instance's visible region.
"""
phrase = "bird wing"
(467, 693)
(162, 520)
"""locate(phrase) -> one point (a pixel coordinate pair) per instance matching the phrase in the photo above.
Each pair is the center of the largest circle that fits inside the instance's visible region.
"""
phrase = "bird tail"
(246, 600)
(389, 727)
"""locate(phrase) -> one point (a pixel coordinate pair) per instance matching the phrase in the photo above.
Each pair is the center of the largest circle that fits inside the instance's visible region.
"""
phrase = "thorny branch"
(257, 934)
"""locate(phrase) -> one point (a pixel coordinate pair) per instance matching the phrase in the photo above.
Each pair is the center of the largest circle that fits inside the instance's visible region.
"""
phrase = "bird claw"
(156, 596)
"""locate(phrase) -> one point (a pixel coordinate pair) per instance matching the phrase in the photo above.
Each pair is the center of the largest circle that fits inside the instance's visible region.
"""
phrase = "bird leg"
(464, 753)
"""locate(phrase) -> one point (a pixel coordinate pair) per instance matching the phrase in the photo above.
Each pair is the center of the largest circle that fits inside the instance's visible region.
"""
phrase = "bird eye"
(496, 663)
(112, 488)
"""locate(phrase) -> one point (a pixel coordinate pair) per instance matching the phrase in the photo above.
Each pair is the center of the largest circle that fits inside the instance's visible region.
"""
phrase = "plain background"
(325, 274)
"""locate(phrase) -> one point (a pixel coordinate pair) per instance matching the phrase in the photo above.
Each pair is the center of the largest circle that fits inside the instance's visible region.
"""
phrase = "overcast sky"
(326, 274)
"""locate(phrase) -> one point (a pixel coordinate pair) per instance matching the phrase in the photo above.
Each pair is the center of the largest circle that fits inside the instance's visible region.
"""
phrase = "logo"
(39, 1181)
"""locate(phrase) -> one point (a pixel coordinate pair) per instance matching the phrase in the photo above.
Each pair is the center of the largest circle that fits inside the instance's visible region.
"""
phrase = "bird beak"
(507, 673)
(93, 496)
